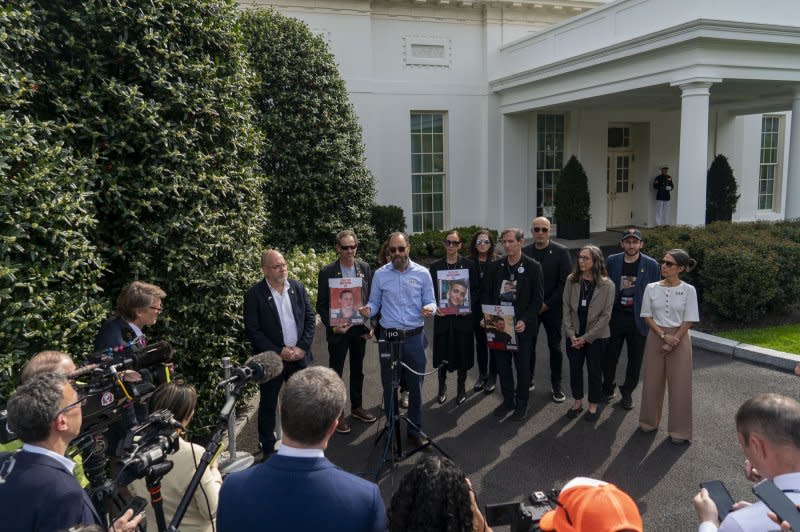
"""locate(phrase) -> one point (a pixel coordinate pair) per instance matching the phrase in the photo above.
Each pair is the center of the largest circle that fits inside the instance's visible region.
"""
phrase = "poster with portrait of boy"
(454, 296)
(345, 298)
(499, 324)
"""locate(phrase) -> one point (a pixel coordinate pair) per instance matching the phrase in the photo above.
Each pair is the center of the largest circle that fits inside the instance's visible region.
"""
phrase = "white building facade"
(470, 108)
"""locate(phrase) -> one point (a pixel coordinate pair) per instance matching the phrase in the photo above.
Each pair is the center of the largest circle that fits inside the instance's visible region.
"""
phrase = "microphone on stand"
(258, 369)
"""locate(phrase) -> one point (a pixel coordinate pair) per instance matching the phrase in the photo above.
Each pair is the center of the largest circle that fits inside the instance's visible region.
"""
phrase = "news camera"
(519, 516)
(115, 377)
(147, 445)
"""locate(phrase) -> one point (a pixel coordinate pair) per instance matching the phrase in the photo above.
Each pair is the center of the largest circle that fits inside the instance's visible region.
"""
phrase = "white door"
(620, 188)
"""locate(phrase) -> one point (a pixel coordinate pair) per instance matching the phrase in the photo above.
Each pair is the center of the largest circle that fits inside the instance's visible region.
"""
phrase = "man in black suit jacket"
(344, 338)
(279, 318)
(525, 275)
(38, 491)
(139, 305)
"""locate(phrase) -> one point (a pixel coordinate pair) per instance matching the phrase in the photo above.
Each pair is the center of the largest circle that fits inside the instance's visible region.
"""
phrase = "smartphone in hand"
(777, 501)
(721, 497)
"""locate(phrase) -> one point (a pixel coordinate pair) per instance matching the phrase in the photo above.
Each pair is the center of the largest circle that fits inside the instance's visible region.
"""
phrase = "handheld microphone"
(258, 369)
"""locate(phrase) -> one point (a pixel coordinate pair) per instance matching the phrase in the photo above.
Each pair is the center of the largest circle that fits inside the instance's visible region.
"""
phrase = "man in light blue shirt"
(402, 291)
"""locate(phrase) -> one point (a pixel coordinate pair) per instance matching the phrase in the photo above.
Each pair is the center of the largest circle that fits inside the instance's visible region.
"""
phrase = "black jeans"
(552, 327)
(485, 362)
(593, 355)
(623, 330)
(515, 398)
(337, 352)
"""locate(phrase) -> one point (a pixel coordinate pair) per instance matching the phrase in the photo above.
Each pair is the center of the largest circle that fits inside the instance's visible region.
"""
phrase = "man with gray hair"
(37, 488)
(298, 488)
(768, 427)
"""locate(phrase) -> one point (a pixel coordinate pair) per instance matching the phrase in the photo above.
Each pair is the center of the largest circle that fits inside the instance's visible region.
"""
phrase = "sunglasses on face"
(540, 229)
(482, 242)
(668, 263)
(348, 248)
(398, 249)
(452, 243)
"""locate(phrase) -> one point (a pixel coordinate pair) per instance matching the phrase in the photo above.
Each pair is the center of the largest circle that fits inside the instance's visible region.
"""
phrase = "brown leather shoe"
(343, 427)
(362, 415)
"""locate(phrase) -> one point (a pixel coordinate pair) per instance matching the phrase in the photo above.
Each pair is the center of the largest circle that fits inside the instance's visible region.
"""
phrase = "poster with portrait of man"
(345, 298)
(454, 296)
(499, 325)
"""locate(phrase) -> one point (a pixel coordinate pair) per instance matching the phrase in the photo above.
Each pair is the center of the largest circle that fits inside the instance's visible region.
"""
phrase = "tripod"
(391, 352)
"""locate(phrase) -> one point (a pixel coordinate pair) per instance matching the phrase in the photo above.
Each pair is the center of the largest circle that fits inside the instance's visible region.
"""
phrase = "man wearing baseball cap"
(631, 272)
(589, 505)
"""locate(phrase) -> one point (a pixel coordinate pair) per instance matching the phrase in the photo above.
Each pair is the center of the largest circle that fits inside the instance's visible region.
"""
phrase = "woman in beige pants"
(669, 307)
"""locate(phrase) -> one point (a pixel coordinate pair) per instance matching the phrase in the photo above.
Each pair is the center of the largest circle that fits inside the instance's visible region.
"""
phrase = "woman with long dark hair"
(669, 307)
(482, 252)
(588, 301)
(435, 496)
(452, 325)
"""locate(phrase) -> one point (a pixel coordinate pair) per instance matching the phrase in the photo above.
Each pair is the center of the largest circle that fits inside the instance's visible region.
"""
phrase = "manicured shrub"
(312, 147)
(721, 191)
(49, 269)
(387, 219)
(304, 265)
(152, 92)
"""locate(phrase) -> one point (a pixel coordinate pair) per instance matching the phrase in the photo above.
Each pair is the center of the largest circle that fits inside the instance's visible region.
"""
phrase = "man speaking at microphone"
(402, 291)
(279, 318)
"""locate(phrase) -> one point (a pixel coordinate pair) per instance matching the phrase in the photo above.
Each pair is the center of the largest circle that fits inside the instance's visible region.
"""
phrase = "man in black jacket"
(525, 274)
(347, 337)
(279, 318)
(556, 265)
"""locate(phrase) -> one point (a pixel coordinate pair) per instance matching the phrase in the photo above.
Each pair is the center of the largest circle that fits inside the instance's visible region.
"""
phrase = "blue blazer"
(114, 332)
(649, 272)
(288, 493)
(262, 324)
(40, 495)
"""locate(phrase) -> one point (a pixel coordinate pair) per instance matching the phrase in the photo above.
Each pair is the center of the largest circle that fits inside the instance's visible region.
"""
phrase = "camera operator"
(593, 505)
(38, 491)
(449, 502)
(181, 400)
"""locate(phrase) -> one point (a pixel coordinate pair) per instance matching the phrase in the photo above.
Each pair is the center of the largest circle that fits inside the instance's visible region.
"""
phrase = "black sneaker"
(502, 410)
(558, 396)
(489, 387)
(626, 402)
(519, 414)
(480, 383)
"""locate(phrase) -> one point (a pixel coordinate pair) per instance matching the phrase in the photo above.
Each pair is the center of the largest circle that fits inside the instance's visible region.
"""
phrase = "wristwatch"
(663, 335)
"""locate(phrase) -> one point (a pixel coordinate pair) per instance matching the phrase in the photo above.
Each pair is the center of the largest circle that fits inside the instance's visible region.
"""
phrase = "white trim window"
(428, 170)
(769, 168)
(549, 160)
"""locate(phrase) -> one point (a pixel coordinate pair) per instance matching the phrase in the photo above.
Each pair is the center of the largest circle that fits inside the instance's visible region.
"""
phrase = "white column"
(793, 173)
(690, 183)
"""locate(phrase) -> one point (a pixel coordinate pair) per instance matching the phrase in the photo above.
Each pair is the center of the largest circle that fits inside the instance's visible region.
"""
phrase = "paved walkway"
(506, 461)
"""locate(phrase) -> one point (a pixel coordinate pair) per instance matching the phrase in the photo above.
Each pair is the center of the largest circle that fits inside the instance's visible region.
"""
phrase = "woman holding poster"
(456, 280)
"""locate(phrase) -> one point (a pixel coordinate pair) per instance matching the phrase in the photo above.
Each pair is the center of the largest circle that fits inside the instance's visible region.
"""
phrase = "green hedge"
(744, 271)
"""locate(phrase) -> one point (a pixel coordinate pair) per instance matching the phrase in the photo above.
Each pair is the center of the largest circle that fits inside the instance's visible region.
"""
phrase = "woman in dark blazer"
(588, 301)
(482, 252)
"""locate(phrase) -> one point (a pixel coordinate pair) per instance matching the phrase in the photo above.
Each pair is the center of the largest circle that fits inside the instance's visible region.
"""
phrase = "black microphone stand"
(392, 429)
(154, 476)
(205, 460)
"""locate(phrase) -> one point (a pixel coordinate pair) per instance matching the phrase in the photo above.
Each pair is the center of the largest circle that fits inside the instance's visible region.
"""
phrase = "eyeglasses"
(398, 249)
(452, 243)
(584, 257)
(482, 242)
(348, 248)
(668, 263)
(540, 229)
(81, 401)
